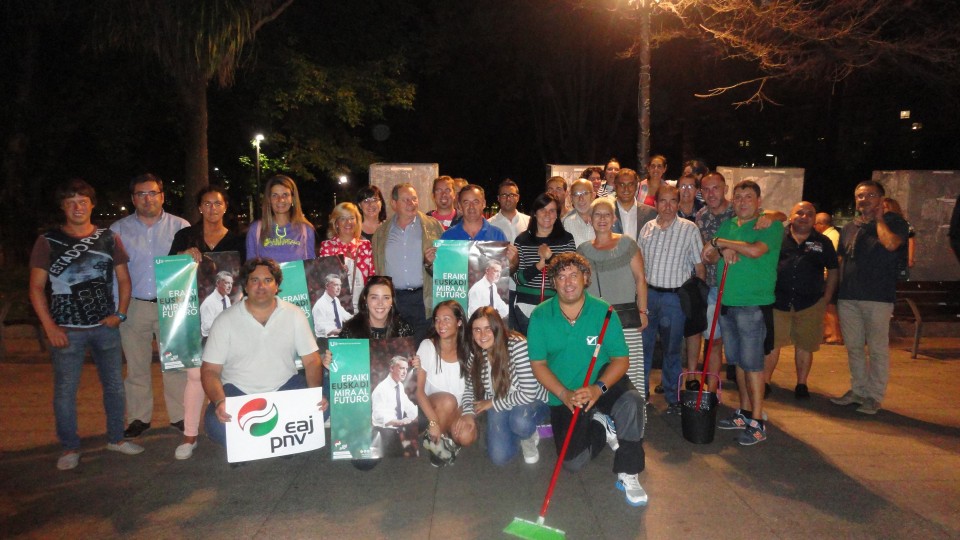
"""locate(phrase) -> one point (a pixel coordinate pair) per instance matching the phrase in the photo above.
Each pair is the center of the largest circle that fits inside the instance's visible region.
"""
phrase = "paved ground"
(825, 471)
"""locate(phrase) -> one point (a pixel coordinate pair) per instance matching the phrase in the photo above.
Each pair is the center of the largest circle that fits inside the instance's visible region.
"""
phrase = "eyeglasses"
(509, 195)
(147, 194)
(580, 193)
(687, 186)
(370, 200)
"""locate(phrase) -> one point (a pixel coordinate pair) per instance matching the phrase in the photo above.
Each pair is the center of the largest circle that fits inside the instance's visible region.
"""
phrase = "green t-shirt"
(750, 282)
(568, 349)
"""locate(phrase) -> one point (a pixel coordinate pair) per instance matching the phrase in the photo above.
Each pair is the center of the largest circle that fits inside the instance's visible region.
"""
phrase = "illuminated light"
(904, 115)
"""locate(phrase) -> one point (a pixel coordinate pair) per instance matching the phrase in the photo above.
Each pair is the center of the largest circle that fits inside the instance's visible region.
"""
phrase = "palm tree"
(196, 42)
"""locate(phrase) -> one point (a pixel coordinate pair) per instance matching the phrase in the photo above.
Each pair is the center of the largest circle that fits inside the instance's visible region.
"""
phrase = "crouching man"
(562, 336)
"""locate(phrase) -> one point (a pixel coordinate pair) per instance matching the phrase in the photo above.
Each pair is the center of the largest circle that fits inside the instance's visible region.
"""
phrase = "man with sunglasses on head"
(147, 234)
(445, 198)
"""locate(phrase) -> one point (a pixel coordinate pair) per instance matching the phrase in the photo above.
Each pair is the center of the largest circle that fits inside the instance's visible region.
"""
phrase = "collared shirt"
(384, 403)
(210, 309)
(404, 255)
(324, 320)
(670, 255)
(800, 270)
(480, 295)
(869, 270)
(628, 220)
(580, 229)
(511, 227)
(709, 223)
(487, 232)
(143, 244)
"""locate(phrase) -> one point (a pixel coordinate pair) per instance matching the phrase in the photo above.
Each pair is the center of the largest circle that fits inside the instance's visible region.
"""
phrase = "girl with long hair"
(374, 209)
(283, 233)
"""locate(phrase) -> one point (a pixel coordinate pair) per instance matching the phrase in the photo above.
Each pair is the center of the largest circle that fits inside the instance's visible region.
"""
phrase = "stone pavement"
(825, 471)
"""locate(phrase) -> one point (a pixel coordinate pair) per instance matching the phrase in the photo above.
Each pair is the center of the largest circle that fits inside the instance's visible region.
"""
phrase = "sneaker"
(629, 484)
(127, 448)
(737, 421)
(610, 428)
(753, 434)
(869, 406)
(68, 461)
(674, 408)
(801, 392)
(848, 399)
(184, 451)
(528, 446)
(135, 429)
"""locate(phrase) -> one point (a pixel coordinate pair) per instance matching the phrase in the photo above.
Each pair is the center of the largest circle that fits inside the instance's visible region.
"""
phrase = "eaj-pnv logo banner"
(274, 424)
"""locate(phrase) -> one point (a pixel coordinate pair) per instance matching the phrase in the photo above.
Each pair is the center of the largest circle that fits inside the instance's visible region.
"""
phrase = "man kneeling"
(253, 345)
(562, 336)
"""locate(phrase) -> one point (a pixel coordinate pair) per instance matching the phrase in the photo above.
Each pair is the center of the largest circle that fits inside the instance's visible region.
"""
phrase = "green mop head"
(522, 528)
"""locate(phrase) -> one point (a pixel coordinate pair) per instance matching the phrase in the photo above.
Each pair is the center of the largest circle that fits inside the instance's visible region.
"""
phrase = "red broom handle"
(573, 421)
(543, 281)
(713, 328)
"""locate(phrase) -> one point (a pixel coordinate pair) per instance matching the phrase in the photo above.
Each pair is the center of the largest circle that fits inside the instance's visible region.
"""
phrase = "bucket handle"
(703, 375)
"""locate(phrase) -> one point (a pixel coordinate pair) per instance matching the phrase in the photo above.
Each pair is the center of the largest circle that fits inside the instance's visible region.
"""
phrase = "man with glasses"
(631, 215)
(512, 222)
(444, 197)
(577, 222)
(147, 234)
(869, 249)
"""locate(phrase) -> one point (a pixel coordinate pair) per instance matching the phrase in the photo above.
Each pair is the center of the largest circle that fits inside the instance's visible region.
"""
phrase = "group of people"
(656, 253)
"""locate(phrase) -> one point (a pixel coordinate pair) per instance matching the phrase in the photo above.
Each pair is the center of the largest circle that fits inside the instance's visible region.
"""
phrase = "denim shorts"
(744, 331)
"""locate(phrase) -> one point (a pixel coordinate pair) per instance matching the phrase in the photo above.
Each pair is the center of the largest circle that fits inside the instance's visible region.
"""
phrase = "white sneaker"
(609, 427)
(125, 447)
(68, 461)
(531, 454)
(629, 484)
(185, 450)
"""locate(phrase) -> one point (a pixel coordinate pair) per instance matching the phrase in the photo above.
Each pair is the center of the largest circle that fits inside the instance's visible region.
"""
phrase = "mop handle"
(573, 421)
(713, 328)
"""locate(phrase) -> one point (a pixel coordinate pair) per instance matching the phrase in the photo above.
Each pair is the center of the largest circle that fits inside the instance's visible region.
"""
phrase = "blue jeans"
(505, 429)
(104, 344)
(743, 333)
(215, 428)
(667, 320)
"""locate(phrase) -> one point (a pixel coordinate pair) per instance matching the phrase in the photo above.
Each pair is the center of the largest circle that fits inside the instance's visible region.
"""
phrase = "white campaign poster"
(274, 424)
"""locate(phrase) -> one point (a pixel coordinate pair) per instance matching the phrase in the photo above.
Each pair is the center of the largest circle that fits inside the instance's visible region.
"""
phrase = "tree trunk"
(193, 94)
(643, 100)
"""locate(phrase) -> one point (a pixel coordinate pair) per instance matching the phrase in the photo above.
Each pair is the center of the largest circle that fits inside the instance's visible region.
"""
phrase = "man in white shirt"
(328, 314)
(631, 215)
(393, 412)
(509, 220)
(484, 291)
(577, 222)
(253, 345)
(216, 302)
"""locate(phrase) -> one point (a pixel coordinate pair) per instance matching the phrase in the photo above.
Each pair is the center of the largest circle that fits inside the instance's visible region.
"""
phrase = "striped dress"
(524, 387)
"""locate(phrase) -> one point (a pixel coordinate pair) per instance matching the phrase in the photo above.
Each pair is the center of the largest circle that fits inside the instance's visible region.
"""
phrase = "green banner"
(450, 271)
(294, 287)
(349, 398)
(178, 308)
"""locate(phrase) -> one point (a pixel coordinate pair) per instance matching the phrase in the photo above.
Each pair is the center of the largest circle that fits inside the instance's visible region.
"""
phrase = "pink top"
(360, 250)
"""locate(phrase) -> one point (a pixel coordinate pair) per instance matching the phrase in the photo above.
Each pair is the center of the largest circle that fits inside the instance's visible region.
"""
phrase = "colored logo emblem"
(256, 418)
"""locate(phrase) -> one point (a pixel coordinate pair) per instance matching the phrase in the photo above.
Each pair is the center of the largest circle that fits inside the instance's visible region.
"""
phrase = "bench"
(921, 302)
(29, 320)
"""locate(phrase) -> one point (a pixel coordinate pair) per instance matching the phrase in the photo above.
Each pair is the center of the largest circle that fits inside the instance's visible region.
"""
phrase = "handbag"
(628, 313)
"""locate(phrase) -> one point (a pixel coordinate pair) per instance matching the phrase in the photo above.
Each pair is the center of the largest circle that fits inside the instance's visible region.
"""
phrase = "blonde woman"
(344, 239)
(283, 233)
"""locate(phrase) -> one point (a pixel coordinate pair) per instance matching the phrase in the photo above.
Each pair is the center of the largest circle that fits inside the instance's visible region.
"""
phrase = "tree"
(196, 42)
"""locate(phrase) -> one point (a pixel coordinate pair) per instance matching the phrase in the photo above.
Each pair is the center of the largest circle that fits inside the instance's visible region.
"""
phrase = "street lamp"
(342, 180)
(257, 139)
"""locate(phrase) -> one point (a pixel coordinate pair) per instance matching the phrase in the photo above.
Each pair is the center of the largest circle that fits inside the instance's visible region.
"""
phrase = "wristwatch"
(713, 242)
(121, 315)
(602, 386)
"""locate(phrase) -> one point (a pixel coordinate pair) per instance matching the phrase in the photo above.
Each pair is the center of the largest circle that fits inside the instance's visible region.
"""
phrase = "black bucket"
(699, 425)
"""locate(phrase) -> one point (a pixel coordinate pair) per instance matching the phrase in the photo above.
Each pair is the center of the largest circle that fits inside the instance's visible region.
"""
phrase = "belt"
(410, 289)
(663, 289)
(154, 301)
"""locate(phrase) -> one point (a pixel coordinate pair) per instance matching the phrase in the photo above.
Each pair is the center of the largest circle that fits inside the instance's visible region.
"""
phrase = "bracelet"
(217, 403)
(713, 242)
(432, 423)
(120, 315)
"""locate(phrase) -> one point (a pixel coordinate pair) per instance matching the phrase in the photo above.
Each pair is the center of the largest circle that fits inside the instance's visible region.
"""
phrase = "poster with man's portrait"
(218, 286)
(393, 398)
(475, 274)
(334, 286)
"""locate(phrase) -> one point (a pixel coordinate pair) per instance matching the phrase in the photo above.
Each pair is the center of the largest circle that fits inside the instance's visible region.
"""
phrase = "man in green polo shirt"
(561, 338)
(747, 306)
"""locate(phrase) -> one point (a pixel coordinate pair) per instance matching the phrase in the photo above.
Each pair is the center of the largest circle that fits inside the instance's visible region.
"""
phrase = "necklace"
(277, 230)
(573, 321)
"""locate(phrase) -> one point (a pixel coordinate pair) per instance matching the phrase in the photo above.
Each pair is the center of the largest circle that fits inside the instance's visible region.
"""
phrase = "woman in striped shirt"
(501, 384)
(544, 238)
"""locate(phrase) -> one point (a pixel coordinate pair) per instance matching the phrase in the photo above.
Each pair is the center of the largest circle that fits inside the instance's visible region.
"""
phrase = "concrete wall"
(927, 198)
(780, 189)
(421, 175)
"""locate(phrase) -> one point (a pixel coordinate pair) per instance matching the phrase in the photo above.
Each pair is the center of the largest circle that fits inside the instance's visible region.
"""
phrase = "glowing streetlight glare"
(258, 137)
(343, 179)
